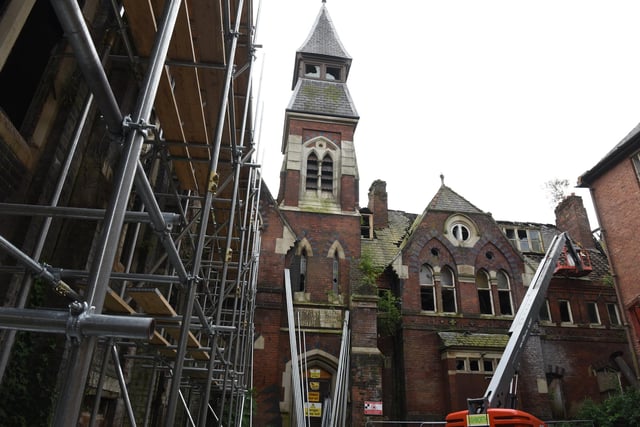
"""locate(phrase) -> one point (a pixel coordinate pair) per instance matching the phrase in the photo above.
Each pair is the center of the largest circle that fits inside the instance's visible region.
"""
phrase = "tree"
(620, 409)
(557, 190)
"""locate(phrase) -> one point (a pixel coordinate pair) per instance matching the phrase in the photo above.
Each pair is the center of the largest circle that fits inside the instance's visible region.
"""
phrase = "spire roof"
(323, 38)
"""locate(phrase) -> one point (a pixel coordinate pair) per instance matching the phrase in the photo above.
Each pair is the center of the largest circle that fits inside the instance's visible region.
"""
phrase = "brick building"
(614, 183)
(448, 282)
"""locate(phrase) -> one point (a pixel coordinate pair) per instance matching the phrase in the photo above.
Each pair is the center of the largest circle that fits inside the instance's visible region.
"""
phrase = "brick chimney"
(378, 204)
(571, 216)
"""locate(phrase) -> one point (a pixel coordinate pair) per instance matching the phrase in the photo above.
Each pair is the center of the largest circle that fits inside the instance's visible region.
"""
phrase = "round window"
(460, 232)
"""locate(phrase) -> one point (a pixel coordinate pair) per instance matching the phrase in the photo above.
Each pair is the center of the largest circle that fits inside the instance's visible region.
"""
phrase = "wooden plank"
(152, 301)
(115, 304)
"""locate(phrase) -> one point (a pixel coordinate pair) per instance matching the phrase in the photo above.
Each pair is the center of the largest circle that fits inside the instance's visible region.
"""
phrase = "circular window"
(460, 232)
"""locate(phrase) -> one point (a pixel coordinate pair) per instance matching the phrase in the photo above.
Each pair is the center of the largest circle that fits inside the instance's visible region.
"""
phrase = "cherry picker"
(497, 406)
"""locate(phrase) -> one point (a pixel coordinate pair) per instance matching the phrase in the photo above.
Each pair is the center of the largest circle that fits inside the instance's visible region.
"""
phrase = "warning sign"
(372, 408)
(478, 420)
(314, 396)
(312, 409)
(314, 373)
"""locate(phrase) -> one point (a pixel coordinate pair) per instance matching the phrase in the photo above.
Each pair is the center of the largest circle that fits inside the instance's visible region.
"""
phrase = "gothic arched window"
(427, 289)
(484, 292)
(504, 294)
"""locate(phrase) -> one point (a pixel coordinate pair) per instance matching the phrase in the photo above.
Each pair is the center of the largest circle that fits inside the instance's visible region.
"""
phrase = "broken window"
(366, 225)
(312, 70)
(592, 313)
(504, 294)
(333, 73)
(526, 240)
(448, 291)
(484, 292)
(565, 311)
(545, 314)
(614, 317)
(474, 365)
(427, 290)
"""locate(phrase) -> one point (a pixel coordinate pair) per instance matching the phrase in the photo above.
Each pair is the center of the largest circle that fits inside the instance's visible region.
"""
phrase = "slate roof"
(466, 340)
(322, 97)
(384, 248)
(323, 38)
(448, 200)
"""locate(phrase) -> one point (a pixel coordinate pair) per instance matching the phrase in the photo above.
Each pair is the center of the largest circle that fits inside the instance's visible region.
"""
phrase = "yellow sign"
(312, 409)
(477, 420)
(314, 385)
(314, 373)
(314, 396)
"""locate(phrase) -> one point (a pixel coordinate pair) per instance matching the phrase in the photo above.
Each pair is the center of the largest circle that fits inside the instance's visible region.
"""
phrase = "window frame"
(323, 70)
(547, 310)
(593, 305)
(635, 159)
(427, 288)
(504, 291)
(566, 302)
(449, 288)
(618, 321)
(486, 290)
(535, 245)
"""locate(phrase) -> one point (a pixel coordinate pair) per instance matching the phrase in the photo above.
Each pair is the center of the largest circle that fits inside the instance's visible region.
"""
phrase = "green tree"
(621, 409)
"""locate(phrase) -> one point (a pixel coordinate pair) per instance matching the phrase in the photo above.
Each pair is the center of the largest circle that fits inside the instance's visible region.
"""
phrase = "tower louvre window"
(312, 172)
(319, 174)
(326, 176)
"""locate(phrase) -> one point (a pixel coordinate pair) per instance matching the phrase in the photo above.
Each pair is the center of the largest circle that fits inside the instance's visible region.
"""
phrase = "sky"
(498, 96)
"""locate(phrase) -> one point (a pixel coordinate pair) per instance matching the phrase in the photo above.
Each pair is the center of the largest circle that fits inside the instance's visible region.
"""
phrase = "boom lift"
(497, 406)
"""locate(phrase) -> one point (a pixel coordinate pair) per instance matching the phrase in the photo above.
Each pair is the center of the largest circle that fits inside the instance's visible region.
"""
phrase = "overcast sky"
(499, 96)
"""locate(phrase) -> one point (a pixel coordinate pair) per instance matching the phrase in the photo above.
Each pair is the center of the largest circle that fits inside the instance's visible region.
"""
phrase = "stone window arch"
(321, 167)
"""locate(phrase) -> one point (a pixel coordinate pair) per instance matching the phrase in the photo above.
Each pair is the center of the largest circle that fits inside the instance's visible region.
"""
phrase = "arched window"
(303, 270)
(484, 292)
(448, 290)
(427, 289)
(336, 273)
(319, 174)
(504, 294)
(326, 174)
(312, 172)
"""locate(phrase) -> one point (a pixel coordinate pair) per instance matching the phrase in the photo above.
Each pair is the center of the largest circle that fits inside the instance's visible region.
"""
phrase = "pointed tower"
(319, 169)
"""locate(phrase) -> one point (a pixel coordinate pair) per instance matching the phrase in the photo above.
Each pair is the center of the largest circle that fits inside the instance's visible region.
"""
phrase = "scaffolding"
(165, 304)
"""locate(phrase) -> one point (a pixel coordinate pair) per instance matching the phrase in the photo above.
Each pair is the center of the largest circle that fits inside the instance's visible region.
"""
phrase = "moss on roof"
(473, 340)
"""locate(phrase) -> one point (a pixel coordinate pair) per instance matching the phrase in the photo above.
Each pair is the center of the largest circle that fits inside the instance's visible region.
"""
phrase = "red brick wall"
(616, 197)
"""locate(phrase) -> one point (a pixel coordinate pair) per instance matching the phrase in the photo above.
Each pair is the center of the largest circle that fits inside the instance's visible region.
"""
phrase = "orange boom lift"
(497, 406)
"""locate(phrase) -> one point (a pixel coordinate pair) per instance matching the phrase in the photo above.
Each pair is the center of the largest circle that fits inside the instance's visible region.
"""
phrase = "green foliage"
(27, 389)
(370, 272)
(388, 313)
(621, 409)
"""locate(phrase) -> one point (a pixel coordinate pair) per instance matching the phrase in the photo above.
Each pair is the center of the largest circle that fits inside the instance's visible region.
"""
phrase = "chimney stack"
(378, 204)
(571, 216)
